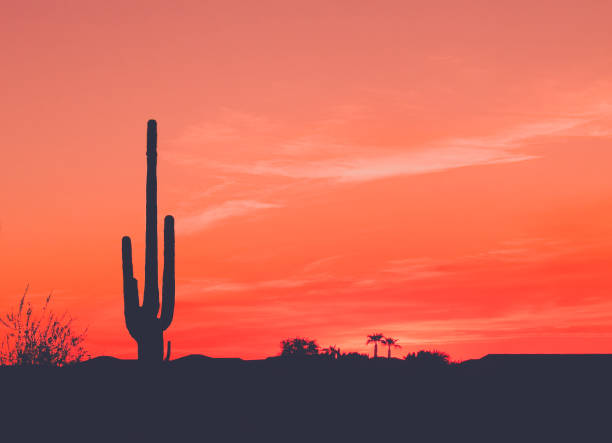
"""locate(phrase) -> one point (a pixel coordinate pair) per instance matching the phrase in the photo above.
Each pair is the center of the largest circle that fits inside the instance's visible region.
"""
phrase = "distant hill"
(538, 398)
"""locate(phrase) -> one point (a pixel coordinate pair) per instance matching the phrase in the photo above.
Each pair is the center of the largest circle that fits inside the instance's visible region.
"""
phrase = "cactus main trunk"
(142, 321)
(151, 343)
(150, 300)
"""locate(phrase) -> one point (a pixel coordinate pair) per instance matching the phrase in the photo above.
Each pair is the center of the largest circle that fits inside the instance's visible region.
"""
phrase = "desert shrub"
(429, 357)
(330, 353)
(354, 356)
(299, 347)
(40, 339)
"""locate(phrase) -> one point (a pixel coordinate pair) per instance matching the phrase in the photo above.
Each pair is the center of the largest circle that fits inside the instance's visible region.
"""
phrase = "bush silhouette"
(40, 340)
(299, 347)
(430, 358)
(354, 356)
(331, 352)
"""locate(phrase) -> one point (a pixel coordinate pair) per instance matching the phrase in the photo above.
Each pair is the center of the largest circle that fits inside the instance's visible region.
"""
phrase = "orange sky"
(435, 171)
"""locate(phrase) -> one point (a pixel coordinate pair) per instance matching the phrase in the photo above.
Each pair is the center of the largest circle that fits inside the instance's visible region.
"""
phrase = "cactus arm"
(168, 285)
(168, 352)
(150, 302)
(130, 288)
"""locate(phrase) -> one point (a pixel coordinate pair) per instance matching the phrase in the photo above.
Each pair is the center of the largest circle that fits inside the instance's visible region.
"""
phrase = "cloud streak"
(373, 168)
(307, 161)
(214, 214)
(367, 163)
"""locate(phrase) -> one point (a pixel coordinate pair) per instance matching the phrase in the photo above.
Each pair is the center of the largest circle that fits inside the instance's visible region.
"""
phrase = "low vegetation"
(305, 347)
(40, 338)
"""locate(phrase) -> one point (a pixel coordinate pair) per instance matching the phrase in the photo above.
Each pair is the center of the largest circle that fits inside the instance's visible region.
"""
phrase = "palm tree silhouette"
(390, 342)
(375, 338)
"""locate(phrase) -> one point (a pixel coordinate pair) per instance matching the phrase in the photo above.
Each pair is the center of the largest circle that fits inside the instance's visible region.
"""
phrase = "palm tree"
(390, 342)
(375, 338)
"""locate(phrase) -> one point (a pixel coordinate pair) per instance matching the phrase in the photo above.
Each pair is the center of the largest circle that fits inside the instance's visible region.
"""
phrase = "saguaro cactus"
(142, 322)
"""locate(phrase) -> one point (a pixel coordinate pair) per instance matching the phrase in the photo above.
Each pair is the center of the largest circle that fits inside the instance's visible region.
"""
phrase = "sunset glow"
(432, 171)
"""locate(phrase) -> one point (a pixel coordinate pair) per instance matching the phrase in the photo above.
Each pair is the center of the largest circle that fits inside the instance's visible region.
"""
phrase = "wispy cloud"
(214, 214)
(342, 162)
(414, 269)
(303, 162)
(230, 125)
(216, 286)
(372, 168)
(317, 264)
(524, 322)
(395, 273)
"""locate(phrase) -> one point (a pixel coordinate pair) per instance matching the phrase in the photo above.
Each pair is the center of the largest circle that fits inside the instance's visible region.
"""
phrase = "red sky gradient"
(435, 171)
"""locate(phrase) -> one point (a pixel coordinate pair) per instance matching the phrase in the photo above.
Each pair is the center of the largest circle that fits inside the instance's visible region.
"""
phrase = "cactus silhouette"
(142, 322)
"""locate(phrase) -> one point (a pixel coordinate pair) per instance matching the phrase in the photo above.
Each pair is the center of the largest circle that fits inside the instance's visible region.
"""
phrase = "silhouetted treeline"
(301, 347)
